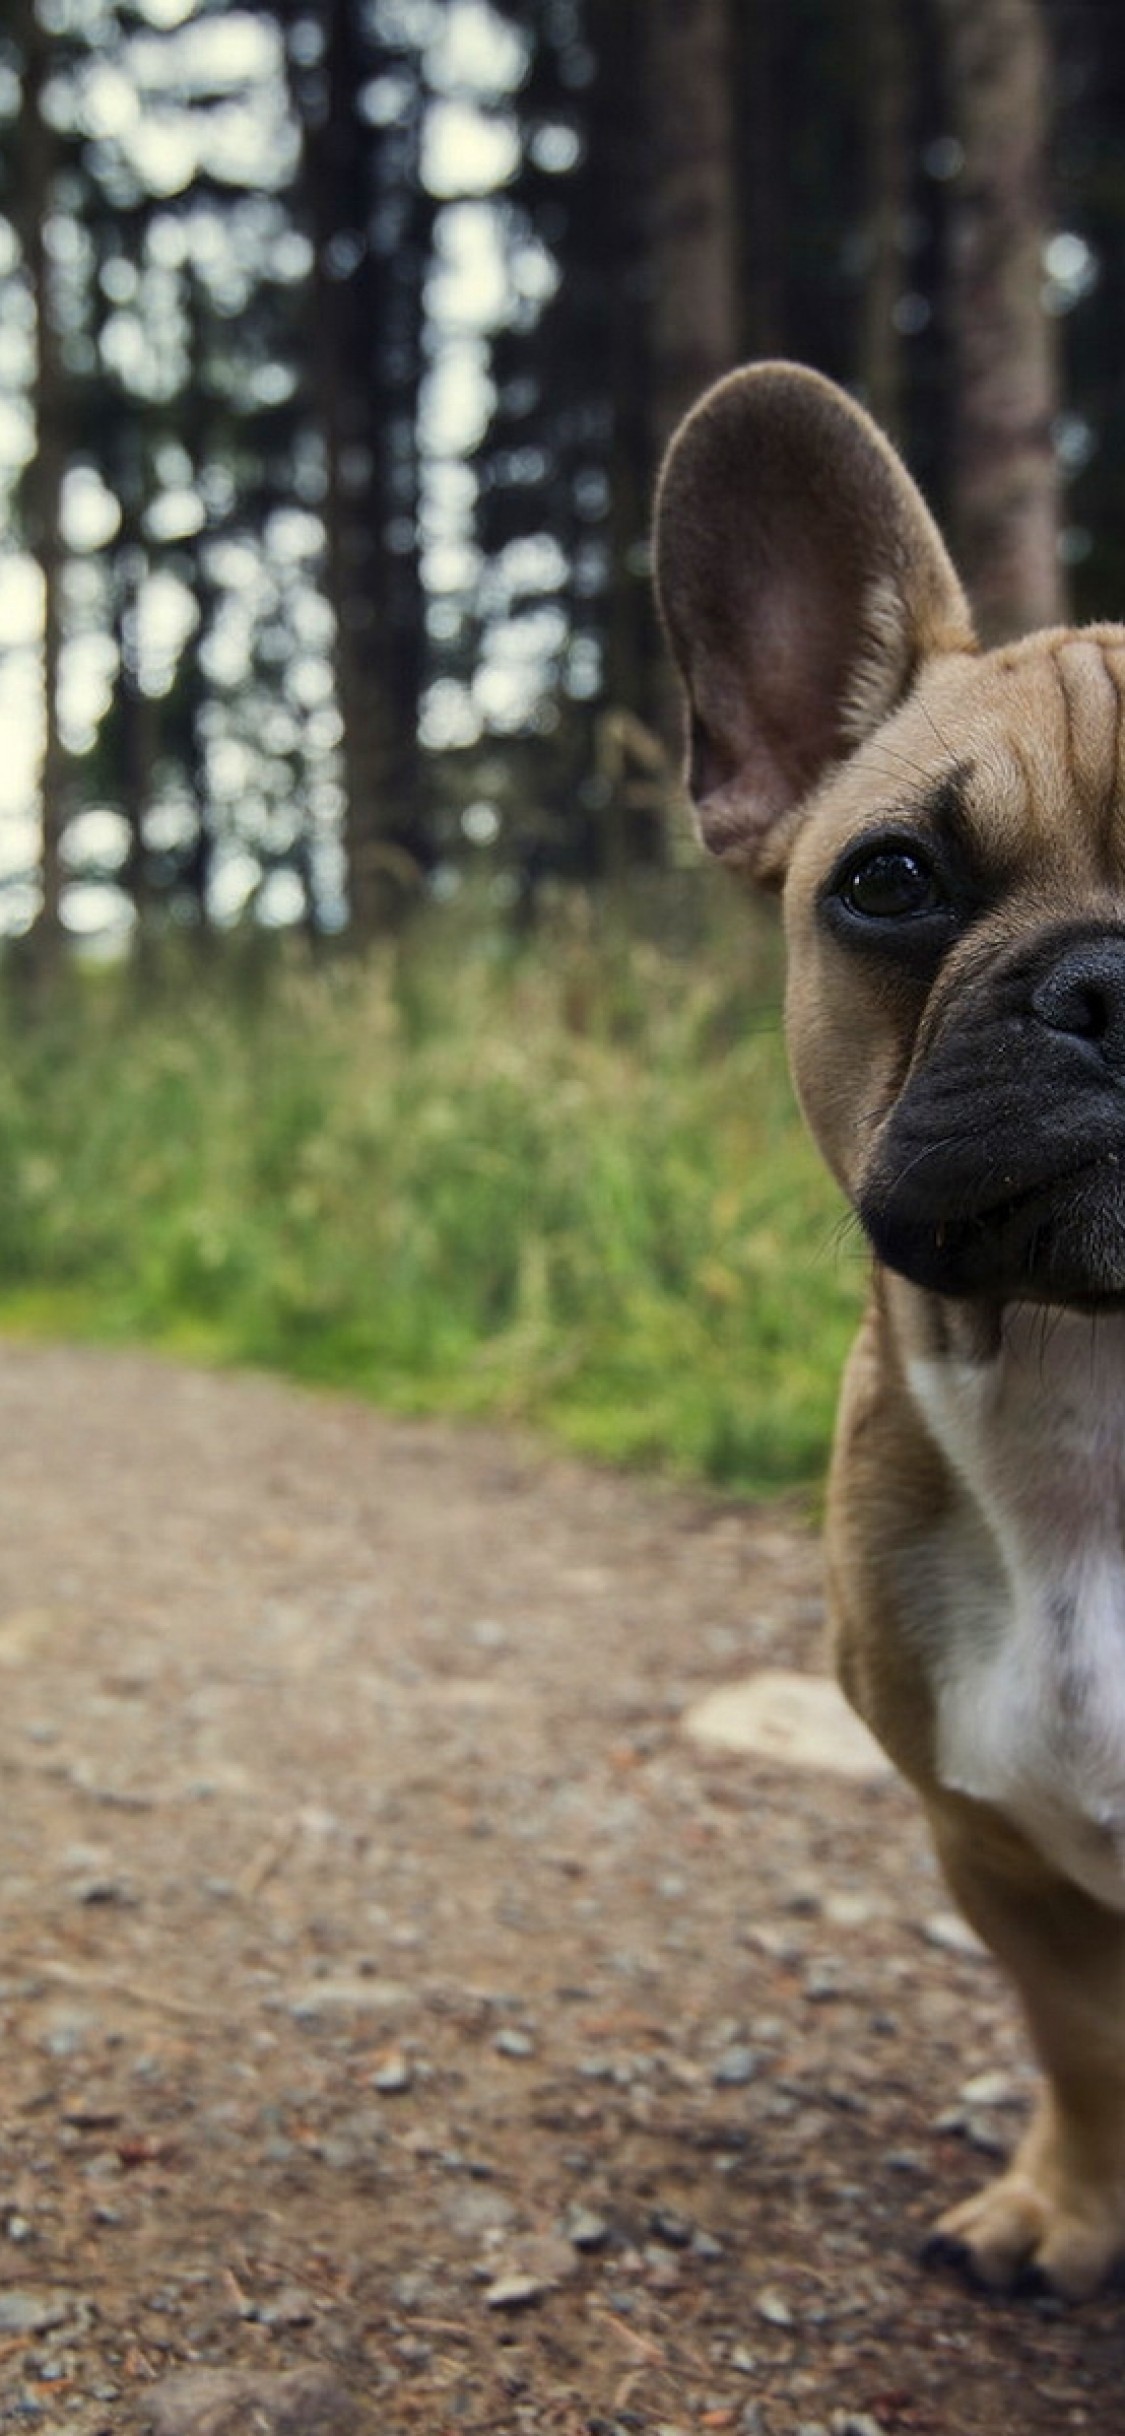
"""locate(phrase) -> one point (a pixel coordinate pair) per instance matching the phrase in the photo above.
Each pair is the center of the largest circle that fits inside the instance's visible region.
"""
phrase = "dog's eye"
(891, 884)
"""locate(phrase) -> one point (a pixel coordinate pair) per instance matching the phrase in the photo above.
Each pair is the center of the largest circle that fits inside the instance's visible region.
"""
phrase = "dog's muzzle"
(1001, 1170)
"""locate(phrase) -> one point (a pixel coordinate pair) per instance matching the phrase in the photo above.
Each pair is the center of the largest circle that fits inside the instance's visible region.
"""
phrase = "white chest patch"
(1025, 1586)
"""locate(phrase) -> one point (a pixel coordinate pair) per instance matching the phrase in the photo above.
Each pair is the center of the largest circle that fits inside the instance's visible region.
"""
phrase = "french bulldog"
(947, 825)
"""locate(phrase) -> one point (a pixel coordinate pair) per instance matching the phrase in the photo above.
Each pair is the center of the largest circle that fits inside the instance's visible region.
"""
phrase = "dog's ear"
(802, 582)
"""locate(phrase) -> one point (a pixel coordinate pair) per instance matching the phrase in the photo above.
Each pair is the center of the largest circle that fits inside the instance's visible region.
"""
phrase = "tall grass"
(564, 1185)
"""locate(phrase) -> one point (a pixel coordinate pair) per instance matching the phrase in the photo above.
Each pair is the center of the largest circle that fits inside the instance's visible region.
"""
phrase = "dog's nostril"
(1083, 997)
(1082, 1008)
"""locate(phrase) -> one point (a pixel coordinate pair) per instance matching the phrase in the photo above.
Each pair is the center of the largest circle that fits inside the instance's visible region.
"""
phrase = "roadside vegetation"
(562, 1184)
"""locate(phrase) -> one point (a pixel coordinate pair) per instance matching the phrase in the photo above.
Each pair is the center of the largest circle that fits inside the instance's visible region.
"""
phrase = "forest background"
(365, 1008)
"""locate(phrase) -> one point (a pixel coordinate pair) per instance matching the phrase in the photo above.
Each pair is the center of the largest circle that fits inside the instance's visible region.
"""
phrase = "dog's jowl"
(948, 828)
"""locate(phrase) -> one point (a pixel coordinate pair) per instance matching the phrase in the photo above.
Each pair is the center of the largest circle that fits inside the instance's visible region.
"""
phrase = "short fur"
(960, 1059)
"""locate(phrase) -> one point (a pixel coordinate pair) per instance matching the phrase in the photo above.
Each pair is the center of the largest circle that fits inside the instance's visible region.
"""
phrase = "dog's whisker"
(894, 752)
(928, 714)
(845, 1233)
(905, 761)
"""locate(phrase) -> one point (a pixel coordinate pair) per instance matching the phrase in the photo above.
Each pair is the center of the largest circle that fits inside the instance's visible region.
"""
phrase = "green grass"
(565, 1186)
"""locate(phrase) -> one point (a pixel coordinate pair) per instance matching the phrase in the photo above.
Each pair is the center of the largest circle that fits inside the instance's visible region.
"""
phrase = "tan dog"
(949, 827)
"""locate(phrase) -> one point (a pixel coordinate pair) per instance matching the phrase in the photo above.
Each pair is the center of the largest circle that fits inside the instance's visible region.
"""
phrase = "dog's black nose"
(1084, 995)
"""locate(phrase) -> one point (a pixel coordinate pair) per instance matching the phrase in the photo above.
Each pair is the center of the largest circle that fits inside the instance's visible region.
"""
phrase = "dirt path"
(392, 1992)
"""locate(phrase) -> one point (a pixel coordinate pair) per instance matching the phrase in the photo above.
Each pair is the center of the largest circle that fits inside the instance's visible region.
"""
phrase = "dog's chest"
(1025, 1587)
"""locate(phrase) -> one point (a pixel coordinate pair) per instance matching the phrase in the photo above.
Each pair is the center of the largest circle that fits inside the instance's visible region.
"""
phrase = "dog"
(947, 826)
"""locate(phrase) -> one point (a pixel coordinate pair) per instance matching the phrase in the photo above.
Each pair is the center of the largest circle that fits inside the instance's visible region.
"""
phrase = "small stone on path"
(221, 2402)
(514, 2043)
(736, 2066)
(515, 2291)
(324, 1999)
(392, 2077)
(951, 1934)
(797, 1721)
(774, 2308)
(32, 2313)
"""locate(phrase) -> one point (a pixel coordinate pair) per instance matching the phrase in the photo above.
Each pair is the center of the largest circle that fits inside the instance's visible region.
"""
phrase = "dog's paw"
(1019, 2233)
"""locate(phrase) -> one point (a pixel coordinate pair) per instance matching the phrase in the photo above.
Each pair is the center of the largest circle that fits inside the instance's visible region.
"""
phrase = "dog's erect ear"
(803, 582)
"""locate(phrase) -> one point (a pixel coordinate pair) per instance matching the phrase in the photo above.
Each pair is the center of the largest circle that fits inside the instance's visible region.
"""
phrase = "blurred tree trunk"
(1006, 494)
(695, 314)
(138, 728)
(404, 213)
(41, 492)
(695, 309)
(619, 155)
(762, 200)
(362, 313)
(346, 306)
(887, 63)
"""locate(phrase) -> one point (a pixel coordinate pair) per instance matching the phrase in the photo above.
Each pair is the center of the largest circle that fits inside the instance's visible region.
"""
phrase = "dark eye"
(891, 884)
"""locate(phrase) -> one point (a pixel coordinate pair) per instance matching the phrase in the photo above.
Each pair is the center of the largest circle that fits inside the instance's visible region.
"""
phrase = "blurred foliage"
(564, 1188)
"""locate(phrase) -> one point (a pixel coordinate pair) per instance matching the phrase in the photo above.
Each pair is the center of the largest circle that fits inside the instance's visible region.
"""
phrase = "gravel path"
(407, 2026)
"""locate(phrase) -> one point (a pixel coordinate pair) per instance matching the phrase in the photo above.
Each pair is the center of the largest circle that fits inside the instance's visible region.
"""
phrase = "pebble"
(95, 2110)
(773, 2307)
(218, 2402)
(515, 2291)
(978, 2129)
(822, 1983)
(392, 2077)
(586, 2229)
(796, 1721)
(514, 2043)
(736, 2066)
(291, 2308)
(69, 2030)
(991, 2089)
(33, 2312)
(473, 2209)
(851, 1911)
(325, 1998)
(107, 1891)
(951, 1934)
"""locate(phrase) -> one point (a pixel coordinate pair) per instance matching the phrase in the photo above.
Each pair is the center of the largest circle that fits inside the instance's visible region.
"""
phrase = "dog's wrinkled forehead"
(1036, 735)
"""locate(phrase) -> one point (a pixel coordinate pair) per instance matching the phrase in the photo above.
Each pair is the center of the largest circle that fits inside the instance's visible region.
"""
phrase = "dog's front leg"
(1059, 2209)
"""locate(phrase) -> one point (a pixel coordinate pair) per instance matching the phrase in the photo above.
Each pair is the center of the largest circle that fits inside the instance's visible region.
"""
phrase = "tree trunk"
(347, 308)
(695, 314)
(760, 164)
(363, 312)
(888, 89)
(619, 155)
(43, 481)
(693, 269)
(1006, 499)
